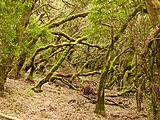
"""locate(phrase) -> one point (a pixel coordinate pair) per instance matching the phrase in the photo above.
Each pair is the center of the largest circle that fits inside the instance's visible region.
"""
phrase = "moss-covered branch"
(52, 24)
(32, 64)
(80, 74)
(51, 55)
(37, 88)
(124, 91)
(89, 73)
(64, 35)
(73, 39)
(91, 45)
(115, 58)
(52, 45)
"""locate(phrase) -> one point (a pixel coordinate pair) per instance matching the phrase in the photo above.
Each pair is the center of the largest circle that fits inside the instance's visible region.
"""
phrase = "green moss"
(30, 78)
(100, 110)
(37, 89)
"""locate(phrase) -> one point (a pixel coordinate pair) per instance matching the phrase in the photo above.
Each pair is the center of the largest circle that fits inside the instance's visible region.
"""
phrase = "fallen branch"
(78, 74)
(89, 73)
(114, 103)
(93, 101)
(8, 117)
(135, 117)
(63, 81)
(119, 93)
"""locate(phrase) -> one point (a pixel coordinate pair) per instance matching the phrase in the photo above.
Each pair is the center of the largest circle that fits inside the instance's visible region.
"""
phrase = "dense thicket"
(114, 40)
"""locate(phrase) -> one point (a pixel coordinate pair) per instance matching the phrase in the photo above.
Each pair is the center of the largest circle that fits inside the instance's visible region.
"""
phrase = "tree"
(104, 12)
(11, 30)
(153, 8)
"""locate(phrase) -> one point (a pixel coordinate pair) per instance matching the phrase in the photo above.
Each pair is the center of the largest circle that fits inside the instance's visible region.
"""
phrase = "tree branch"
(124, 26)
(73, 39)
(52, 24)
(64, 35)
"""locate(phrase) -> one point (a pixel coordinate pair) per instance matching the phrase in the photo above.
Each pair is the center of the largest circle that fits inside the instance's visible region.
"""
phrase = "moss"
(30, 78)
(37, 89)
(100, 111)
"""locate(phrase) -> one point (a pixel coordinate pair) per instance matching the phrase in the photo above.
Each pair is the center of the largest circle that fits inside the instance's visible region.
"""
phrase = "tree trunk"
(2, 72)
(5, 64)
(100, 108)
(19, 65)
(153, 8)
(155, 91)
(20, 33)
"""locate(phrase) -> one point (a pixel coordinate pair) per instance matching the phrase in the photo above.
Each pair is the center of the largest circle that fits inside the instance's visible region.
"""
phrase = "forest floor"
(61, 103)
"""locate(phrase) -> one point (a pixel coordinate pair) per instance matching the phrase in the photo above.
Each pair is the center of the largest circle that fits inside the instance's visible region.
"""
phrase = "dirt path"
(59, 103)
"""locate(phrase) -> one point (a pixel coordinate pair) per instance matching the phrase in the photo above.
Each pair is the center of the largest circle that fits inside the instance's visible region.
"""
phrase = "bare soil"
(61, 103)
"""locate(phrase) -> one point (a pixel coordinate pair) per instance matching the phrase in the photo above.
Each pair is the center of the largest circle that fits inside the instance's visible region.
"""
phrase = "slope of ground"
(60, 103)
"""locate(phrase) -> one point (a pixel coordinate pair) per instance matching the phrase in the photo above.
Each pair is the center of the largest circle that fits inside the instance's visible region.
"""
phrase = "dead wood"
(8, 117)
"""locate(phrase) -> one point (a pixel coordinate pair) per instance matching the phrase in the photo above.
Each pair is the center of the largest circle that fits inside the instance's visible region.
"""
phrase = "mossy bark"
(19, 65)
(30, 76)
(5, 64)
(100, 107)
(37, 88)
(153, 8)
(2, 81)
(138, 93)
(155, 85)
(20, 34)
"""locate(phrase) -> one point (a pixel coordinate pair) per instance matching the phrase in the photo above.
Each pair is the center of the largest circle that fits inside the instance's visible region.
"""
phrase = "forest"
(79, 60)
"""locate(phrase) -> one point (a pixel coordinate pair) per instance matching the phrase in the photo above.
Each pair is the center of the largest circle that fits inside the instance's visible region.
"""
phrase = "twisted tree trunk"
(37, 88)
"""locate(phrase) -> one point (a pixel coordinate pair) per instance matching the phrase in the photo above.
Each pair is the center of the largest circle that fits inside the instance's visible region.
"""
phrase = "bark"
(5, 64)
(100, 108)
(153, 8)
(2, 72)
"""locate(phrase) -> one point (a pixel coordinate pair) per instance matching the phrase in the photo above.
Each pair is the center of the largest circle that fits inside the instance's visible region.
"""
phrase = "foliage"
(10, 20)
